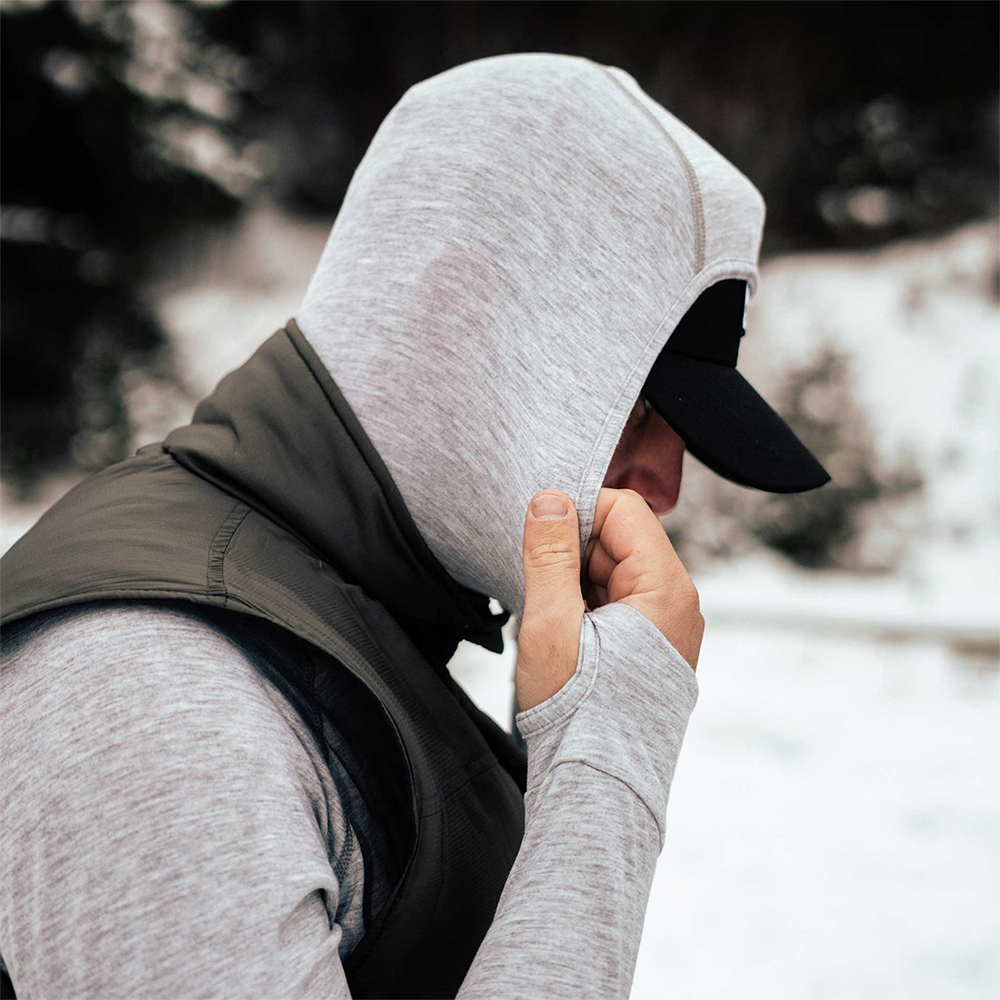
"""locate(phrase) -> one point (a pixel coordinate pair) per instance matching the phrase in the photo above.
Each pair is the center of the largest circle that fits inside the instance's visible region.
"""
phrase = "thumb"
(549, 635)
(551, 553)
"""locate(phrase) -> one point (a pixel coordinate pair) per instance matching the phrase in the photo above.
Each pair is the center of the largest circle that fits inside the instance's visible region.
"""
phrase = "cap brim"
(726, 425)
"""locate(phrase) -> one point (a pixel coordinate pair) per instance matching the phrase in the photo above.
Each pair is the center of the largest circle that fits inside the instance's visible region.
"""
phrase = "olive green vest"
(274, 503)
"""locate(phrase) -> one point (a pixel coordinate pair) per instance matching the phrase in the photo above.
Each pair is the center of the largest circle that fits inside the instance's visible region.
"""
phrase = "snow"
(832, 827)
(920, 324)
(834, 824)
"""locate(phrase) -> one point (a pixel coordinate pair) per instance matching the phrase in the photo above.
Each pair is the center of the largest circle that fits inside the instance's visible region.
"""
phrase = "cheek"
(626, 443)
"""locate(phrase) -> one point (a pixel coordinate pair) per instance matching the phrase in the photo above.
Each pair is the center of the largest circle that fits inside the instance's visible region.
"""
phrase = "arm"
(169, 825)
(601, 758)
(167, 862)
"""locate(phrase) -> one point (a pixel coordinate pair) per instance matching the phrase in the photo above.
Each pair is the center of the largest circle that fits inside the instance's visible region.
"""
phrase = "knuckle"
(550, 551)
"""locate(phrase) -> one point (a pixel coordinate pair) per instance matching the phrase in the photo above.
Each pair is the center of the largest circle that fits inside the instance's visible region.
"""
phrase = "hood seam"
(697, 207)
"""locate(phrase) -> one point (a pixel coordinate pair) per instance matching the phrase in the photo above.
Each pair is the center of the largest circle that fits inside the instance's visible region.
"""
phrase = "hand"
(628, 559)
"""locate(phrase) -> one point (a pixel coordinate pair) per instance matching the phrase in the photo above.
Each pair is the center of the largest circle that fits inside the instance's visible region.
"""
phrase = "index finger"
(617, 534)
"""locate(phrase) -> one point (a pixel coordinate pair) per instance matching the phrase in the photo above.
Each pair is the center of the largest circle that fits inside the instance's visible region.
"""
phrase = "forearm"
(601, 758)
(570, 918)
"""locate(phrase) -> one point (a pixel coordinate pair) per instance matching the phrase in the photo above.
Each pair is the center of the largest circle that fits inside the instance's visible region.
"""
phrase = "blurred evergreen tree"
(103, 161)
(127, 123)
(858, 122)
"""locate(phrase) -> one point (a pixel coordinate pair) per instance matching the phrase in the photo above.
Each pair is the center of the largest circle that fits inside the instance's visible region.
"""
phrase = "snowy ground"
(834, 825)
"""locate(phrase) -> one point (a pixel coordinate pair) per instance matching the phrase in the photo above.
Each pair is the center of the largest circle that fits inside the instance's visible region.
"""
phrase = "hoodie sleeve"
(179, 821)
(601, 758)
(170, 826)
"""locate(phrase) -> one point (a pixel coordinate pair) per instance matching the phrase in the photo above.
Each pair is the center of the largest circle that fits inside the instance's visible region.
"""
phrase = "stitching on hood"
(697, 208)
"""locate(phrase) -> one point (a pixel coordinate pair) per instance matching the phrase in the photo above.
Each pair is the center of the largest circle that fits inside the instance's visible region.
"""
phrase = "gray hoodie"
(518, 243)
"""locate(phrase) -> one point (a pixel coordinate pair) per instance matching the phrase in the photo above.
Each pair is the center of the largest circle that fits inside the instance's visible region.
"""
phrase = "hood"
(518, 243)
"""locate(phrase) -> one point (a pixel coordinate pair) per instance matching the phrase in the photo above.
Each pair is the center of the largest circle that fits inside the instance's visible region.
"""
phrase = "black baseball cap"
(723, 420)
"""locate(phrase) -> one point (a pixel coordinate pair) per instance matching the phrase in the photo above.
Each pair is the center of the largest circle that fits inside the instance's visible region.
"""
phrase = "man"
(236, 762)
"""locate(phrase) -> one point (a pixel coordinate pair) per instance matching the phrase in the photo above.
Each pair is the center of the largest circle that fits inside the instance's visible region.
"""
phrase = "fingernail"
(549, 507)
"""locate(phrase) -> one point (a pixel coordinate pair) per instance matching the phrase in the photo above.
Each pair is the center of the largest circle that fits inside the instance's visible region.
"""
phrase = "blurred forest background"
(171, 171)
(137, 136)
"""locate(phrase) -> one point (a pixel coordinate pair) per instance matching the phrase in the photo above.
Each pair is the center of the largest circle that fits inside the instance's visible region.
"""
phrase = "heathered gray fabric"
(518, 243)
(170, 828)
(601, 758)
